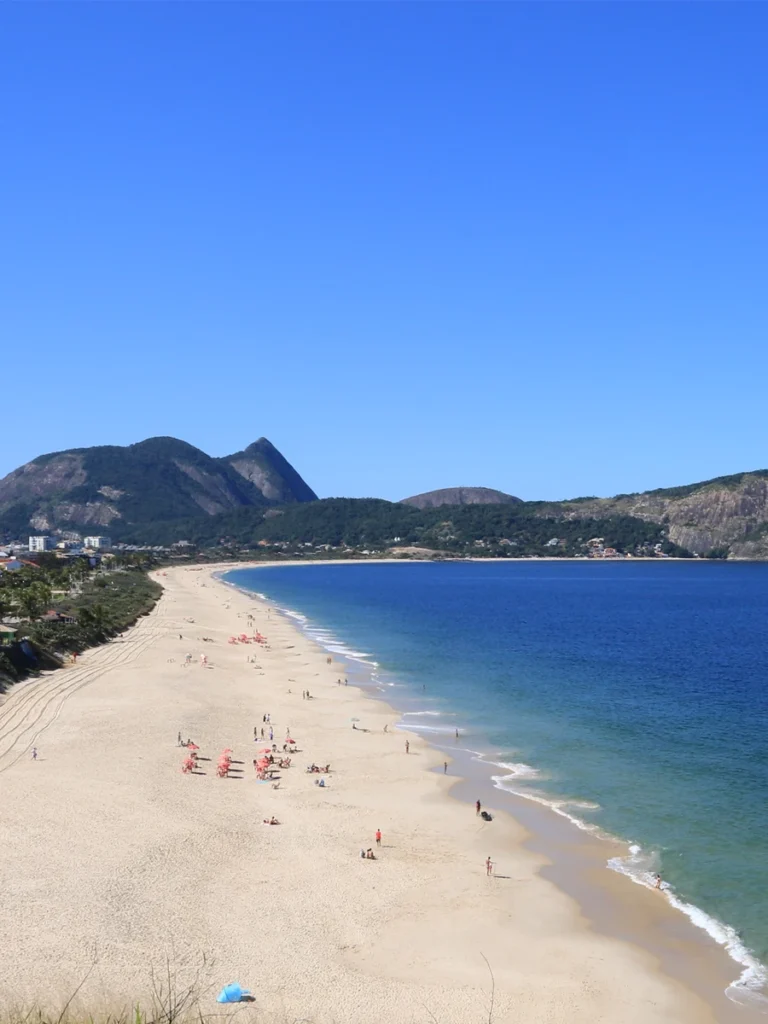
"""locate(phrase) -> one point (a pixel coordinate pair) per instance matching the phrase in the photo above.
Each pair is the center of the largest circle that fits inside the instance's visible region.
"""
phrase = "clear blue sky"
(415, 245)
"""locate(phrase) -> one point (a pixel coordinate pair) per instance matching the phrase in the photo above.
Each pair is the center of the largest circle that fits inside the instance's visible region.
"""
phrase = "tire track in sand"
(34, 707)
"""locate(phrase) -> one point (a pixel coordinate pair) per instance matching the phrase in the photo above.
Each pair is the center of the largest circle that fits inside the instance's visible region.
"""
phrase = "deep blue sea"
(633, 697)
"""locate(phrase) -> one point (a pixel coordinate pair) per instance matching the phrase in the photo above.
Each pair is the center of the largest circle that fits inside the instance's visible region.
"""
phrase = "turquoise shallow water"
(632, 697)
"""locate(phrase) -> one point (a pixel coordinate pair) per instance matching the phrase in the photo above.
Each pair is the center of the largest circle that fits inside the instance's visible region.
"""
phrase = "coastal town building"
(97, 543)
(41, 543)
(11, 564)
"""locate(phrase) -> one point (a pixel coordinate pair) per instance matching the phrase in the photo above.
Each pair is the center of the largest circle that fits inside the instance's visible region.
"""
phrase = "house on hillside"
(7, 634)
(57, 617)
(9, 564)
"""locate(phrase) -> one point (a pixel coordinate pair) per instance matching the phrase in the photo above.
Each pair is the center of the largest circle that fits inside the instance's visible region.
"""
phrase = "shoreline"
(731, 995)
(122, 864)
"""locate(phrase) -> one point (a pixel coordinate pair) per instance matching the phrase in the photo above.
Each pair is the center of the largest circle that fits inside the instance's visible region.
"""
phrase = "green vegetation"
(153, 484)
(732, 481)
(108, 488)
(95, 604)
(369, 524)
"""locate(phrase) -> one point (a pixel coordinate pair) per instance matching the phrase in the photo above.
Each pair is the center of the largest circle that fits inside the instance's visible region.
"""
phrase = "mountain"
(727, 516)
(460, 496)
(262, 465)
(112, 489)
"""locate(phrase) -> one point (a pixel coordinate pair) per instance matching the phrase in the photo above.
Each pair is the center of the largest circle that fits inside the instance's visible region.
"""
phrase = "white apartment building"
(40, 543)
(97, 543)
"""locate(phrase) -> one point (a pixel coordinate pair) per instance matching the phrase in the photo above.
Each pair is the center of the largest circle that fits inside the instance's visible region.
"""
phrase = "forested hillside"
(369, 523)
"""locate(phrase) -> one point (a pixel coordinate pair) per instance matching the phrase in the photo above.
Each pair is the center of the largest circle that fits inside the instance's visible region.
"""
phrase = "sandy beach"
(117, 864)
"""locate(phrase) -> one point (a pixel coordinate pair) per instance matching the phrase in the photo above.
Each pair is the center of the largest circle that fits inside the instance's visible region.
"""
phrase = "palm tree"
(95, 618)
(33, 599)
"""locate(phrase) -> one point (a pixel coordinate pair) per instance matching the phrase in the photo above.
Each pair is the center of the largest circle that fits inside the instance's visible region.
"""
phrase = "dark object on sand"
(486, 816)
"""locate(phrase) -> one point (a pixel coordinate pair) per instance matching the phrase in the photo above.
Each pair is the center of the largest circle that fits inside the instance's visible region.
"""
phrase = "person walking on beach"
(271, 734)
(457, 734)
(445, 767)
(178, 739)
(407, 747)
(478, 807)
(488, 867)
(658, 882)
(378, 837)
(34, 753)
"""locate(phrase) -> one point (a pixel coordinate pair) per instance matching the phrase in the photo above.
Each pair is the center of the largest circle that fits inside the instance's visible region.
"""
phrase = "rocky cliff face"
(460, 496)
(728, 514)
(262, 465)
(113, 487)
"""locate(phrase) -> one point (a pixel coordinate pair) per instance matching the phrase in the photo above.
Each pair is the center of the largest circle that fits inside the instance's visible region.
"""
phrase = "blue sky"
(415, 245)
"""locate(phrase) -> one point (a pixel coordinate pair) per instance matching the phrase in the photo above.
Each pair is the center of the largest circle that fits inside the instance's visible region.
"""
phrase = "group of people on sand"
(369, 854)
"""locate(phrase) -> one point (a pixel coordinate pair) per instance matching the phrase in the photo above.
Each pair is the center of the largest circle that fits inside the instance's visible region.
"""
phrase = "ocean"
(630, 697)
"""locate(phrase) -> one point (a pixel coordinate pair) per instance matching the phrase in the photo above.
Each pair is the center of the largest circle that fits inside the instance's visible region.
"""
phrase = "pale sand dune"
(107, 847)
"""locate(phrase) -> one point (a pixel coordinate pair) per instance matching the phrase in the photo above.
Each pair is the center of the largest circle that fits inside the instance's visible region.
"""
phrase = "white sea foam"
(439, 730)
(641, 866)
(327, 639)
(515, 782)
(517, 770)
(416, 714)
(293, 615)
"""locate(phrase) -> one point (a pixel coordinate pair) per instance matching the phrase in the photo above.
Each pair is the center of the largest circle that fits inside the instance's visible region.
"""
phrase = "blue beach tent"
(232, 994)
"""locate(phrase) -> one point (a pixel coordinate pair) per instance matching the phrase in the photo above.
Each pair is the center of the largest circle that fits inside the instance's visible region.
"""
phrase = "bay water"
(632, 697)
